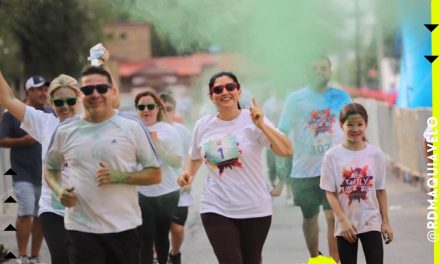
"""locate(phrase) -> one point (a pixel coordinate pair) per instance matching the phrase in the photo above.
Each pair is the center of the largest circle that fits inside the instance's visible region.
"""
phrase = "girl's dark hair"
(352, 109)
(161, 114)
(220, 74)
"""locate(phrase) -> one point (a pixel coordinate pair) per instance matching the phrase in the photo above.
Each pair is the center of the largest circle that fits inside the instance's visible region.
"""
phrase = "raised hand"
(257, 115)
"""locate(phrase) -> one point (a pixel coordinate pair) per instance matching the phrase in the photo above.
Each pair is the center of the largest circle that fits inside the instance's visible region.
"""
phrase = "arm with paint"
(106, 65)
(146, 176)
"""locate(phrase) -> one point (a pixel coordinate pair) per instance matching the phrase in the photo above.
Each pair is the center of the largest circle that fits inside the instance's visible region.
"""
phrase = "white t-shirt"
(170, 141)
(356, 176)
(120, 142)
(235, 186)
(185, 137)
(186, 198)
(41, 126)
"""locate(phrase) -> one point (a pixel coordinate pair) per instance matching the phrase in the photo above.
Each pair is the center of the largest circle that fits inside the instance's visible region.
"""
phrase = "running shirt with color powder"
(120, 142)
(170, 140)
(312, 119)
(356, 176)
(235, 186)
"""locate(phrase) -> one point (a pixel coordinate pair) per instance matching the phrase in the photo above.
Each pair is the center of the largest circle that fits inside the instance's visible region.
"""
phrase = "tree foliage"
(49, 37)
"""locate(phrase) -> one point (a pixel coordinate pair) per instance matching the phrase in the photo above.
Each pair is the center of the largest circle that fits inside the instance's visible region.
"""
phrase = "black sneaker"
(174, 259)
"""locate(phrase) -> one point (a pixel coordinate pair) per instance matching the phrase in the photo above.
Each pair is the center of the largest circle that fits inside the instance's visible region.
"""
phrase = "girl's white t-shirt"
(356, 176)
(41, 126)
(170, 140)
(232, 151)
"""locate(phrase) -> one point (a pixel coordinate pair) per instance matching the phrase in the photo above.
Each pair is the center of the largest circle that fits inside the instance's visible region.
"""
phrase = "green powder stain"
(274, 38)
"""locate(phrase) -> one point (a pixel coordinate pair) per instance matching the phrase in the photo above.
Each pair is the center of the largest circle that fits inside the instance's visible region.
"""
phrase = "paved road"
(285, 241)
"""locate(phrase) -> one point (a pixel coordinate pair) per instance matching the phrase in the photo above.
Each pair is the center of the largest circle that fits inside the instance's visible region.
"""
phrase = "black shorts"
(309, 196)
(180, 215)
(109, 248)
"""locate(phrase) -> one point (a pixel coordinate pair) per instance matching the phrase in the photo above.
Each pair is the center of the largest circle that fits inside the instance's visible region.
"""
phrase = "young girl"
(353, 176)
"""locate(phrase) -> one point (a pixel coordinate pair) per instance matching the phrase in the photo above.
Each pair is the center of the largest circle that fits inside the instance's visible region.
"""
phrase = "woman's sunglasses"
(141, 107)
(219, 88)
(88, 90)
(69, 101)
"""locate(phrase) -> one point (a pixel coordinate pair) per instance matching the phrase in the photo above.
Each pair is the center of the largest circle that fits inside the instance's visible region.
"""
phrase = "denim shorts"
(28, 196)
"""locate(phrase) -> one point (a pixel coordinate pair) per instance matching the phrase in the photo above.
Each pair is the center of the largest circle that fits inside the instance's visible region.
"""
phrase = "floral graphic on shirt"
(321, 122)
(356, 183)
(223, 153)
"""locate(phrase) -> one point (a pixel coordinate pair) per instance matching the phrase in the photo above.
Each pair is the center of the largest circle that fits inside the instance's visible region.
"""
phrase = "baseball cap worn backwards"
(35, 82)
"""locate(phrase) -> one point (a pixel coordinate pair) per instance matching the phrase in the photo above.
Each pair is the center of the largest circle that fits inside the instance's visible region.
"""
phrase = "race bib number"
(318, 146)
(221, 150)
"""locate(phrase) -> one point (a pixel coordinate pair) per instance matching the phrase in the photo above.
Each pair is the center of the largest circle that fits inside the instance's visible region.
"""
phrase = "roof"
(183, 66)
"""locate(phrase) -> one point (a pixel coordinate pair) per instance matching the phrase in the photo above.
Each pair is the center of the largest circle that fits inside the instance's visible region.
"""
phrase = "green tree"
(49, 37)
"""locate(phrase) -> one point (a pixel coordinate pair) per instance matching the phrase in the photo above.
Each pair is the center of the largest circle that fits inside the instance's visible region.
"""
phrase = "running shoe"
(320, 259)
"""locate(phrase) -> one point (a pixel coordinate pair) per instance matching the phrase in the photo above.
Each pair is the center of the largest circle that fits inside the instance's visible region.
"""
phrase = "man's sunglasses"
(69, 101)
(101, 88)
(218, 89)
(141, 107)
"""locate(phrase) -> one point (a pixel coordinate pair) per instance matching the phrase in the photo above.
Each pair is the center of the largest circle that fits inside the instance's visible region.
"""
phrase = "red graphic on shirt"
(321, 121)
(356, 183)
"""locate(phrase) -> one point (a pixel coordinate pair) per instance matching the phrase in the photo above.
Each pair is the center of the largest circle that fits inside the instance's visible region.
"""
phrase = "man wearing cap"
(25, 158)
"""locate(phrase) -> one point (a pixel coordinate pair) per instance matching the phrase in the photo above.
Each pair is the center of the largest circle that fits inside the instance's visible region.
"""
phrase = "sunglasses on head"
(141, 107)
(69, 101)
(101, 88)
(218, 89)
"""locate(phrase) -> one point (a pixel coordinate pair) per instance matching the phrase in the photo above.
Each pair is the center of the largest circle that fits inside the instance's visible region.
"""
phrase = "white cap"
(35, 82)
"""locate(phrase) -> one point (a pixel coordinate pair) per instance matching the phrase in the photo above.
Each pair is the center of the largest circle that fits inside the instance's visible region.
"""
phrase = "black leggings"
(157, 213)
(55, 236)
(371, 244)
(237, 241)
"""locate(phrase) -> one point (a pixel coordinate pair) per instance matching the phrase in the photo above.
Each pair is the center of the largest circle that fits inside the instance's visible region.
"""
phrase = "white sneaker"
(35, 260)
(23, 260)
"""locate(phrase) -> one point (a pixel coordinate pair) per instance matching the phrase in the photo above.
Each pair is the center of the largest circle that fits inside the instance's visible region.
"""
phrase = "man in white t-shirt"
(107, 155)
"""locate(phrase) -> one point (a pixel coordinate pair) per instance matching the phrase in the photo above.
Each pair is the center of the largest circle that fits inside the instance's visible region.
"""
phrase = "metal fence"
(6, 180)
(399, 133)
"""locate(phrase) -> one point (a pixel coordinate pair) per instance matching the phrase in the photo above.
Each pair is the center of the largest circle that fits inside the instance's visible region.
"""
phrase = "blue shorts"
(28, 196)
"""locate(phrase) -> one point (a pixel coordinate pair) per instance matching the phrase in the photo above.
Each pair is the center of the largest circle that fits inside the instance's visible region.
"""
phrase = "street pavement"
(285, 243)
